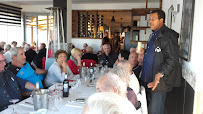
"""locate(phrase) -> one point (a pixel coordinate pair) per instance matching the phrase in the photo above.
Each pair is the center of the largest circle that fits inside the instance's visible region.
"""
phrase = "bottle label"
(65, 86)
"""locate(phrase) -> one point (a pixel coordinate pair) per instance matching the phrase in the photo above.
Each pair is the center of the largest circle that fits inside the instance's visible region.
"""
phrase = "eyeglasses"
(2, 61)
(153, 18)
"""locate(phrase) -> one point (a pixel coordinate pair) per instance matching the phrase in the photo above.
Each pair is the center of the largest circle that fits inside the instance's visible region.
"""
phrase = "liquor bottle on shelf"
(66, 86)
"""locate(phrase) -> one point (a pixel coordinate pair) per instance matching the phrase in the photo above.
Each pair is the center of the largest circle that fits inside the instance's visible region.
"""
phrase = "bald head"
(126, 65)
(111, 83)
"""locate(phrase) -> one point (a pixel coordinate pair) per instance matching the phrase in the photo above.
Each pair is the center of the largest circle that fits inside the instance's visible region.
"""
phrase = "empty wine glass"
(55, 101)
(101, 62)
(14, 101)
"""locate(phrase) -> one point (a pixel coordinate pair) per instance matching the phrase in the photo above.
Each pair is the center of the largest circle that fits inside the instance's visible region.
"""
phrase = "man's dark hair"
(161, 14)
(124, 53)
(43, 45)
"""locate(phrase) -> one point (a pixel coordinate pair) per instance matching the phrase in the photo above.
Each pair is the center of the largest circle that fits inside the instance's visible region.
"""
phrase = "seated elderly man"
(108, 58)
(111, 82)
(23, 69)
(11, 86)
(133, 50)
(125, 77)
(133, 82)
(108, 103)
(133, 59)
(89, 54)
(7, 53)
(2, 46)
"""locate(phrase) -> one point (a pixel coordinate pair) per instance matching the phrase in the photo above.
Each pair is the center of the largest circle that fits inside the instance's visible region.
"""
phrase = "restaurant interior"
(63, 23)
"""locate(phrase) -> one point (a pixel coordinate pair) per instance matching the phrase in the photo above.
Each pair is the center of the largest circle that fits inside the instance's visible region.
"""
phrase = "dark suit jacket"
(108, 60)
(30, 55)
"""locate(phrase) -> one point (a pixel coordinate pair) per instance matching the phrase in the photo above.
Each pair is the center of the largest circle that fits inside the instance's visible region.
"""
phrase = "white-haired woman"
(75, 60)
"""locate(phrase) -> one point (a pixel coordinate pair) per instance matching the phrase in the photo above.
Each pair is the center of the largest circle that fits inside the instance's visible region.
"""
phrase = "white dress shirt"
(134, 83)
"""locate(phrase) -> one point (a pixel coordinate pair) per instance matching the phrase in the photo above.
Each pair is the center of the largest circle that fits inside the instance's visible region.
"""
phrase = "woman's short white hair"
(108, 103)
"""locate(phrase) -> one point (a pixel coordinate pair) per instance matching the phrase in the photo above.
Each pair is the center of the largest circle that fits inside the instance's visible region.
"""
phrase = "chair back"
(49, 62)
(88, 62)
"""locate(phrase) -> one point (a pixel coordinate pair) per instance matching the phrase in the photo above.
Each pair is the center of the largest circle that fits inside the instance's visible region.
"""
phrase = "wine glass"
(14, 101)
(55, 101)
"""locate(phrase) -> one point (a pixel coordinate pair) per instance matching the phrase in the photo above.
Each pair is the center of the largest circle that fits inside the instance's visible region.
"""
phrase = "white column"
(69, 21)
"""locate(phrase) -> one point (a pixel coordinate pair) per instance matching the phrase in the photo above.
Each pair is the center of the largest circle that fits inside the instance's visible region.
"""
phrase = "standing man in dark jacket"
(29, 53)
(38, 59)
(161, 67)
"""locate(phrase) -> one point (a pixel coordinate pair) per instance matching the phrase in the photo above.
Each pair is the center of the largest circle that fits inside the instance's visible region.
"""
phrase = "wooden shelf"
(140, 28)
(86, 38)
(136, 42)
(142, 11)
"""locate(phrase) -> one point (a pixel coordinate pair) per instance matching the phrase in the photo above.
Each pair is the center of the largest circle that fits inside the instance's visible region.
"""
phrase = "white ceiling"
(49, 2)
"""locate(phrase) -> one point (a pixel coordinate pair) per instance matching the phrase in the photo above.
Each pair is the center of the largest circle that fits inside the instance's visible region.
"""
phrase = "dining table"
(81, 89)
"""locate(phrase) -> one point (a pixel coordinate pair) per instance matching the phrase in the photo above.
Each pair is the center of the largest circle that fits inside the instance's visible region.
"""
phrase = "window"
(10, 23)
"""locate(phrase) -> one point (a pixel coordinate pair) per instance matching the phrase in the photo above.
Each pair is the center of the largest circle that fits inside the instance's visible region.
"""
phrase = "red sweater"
(73, 67)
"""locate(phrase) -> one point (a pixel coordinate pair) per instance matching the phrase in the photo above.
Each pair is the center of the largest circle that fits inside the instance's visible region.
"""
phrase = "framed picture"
(186, 29)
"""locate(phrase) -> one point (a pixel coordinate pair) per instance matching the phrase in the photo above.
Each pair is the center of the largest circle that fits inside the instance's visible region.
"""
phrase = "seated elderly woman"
(75, 60)
(58, 69)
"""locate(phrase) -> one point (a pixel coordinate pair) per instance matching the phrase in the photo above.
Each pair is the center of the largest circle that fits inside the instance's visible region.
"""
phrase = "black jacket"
(166, 60)
(108, 60)
(30, 55)
(90, 56)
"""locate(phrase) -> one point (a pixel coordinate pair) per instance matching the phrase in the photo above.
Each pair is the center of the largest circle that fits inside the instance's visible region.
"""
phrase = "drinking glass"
(14, 101)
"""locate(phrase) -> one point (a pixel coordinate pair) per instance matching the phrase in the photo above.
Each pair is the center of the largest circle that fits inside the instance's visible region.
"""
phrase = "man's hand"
(154, 84)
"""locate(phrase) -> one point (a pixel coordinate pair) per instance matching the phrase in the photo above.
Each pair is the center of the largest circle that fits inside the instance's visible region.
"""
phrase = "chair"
(49, 62)
(43, 62)
(142, 98)
(88, 62)
(50, 53)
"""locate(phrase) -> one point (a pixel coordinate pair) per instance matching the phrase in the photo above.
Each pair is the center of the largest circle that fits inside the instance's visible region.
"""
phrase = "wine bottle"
(65, 86)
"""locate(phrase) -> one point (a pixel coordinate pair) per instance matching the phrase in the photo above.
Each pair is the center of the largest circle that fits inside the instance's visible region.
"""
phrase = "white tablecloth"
(67, 105)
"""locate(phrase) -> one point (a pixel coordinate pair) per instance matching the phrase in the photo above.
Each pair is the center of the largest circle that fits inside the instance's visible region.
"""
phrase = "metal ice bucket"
(40, 99)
